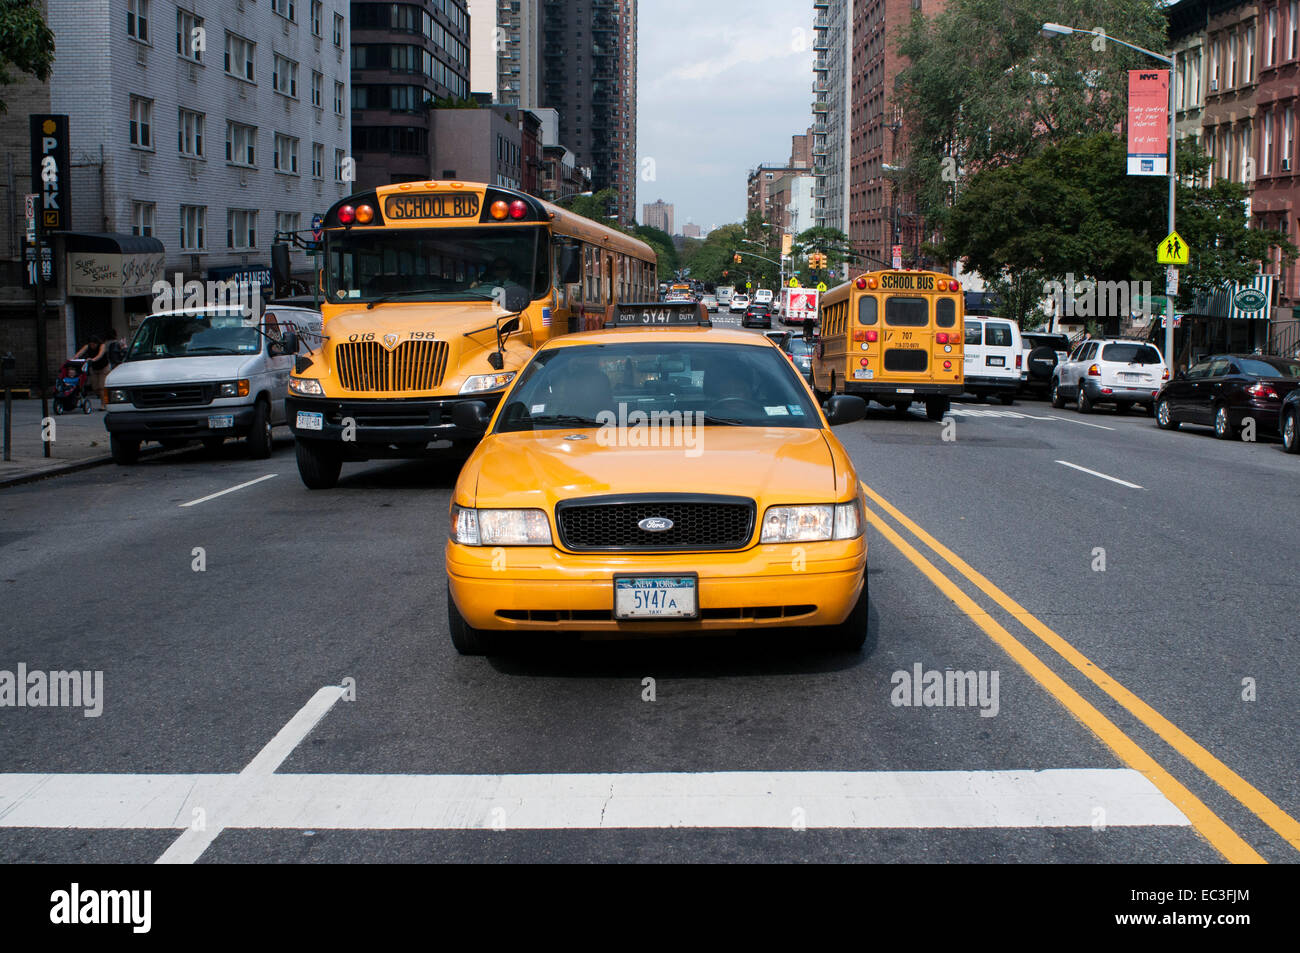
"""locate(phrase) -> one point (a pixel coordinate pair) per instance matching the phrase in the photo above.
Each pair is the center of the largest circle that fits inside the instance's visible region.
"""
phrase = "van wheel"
(1164, 419)
(466, 639)
(260, 442)
(1085, 402)
(1057, 400)
(125, 452)
(851, 634)
(319, 464)
(936, 407)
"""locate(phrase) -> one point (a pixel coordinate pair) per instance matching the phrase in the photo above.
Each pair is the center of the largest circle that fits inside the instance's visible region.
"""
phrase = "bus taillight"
(941, 338)
(862, 283)
(864, 362)
(872, 335)
(947, 365)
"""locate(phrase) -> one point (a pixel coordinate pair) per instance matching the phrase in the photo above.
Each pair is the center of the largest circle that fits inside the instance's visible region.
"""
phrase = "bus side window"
(867, 306)
(609, 279)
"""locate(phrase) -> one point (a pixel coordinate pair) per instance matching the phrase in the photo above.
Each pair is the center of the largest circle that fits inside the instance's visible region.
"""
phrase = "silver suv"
(1110, 371)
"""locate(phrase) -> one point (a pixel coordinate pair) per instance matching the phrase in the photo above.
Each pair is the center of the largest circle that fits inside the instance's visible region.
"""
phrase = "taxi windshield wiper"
(572, 419)
(727, 421)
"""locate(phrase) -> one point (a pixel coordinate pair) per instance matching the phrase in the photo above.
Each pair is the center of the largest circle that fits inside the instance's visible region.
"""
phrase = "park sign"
(51, 171)
(1148, 123)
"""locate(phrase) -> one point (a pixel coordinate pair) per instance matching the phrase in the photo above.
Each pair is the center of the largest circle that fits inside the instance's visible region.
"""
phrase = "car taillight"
(1019, 361)
(873, 335)
(1094, 371)
(1261, 391)
(1165, 375)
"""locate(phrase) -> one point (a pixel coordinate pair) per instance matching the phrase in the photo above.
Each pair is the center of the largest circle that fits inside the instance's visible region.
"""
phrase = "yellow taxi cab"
(658, 475)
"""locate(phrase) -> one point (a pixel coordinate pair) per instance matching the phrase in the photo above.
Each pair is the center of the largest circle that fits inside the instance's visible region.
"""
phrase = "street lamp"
(1056, 29)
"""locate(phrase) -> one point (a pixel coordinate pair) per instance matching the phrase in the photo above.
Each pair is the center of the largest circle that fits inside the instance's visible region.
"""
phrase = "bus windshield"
(438, 264)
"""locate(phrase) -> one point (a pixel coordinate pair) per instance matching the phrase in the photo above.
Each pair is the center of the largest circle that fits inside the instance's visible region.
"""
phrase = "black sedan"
(1226, 390)
(757, 315)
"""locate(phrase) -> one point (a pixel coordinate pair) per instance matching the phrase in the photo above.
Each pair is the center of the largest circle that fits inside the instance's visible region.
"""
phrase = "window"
(241, 228)
(286, 8)
(190, 134)
(317, 16)
(867, 309)
(1288, 139)
(974, 333)
(284, 78)
(1270, 50)
(142, 215)
(317, 160)
(141, 122)
(1232, 59)
(186, 25)
(137, 20)
(1293, 13)
(194, 225)
(317, 85)
(338, 165)
(945, 313)
(338, 99)
(997, 335)
(338, 30)
(241, 144)
(1267, 158)
(286, 154)
(907, 312)
(1249, 55)
(239, 57)
(287, 222)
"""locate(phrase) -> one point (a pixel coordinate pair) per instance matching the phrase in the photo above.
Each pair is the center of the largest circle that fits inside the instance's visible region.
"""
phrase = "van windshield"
(193, 335)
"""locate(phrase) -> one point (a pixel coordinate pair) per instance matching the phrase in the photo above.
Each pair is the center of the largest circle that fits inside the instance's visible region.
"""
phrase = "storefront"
(1235, 319)
(109, 284)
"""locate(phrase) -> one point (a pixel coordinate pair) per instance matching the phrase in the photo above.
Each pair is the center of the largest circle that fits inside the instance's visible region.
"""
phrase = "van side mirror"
(570, 264)
(471, 416)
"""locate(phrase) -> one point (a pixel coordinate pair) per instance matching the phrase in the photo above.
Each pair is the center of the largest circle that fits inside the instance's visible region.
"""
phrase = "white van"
(763, 296)
(994, 358)
(204, 374)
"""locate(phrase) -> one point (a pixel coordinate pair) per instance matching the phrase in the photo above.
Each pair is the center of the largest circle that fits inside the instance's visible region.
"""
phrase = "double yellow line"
(1222, 837)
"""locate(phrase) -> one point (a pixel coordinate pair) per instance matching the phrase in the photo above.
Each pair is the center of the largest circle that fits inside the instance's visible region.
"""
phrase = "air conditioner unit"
(243, 91)
(141, 55)
(144, 163)
(315, 42)
(287, 105)
(284, 27)
(340, 119)
(239, 5)
(193, 73)
(319, 188)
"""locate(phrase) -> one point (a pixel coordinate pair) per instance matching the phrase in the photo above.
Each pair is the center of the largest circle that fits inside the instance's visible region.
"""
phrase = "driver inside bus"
(499, 273)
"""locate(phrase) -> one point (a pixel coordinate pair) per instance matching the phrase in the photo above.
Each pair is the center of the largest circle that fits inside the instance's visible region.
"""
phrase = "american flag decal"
(546, 317)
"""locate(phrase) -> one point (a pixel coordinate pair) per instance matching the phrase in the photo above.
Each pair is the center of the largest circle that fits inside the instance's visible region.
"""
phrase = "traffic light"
(736, 258)
(725, 273)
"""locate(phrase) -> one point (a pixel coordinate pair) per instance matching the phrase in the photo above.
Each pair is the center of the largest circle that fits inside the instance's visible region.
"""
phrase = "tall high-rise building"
(403, 55)
(518, 52)
(832, 31)
(658, 215)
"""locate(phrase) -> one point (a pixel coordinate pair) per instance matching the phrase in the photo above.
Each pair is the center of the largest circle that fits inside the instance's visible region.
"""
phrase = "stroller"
(72, 389)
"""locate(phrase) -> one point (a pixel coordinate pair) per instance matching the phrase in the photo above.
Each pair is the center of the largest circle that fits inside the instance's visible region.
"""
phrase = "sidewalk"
(80, 441)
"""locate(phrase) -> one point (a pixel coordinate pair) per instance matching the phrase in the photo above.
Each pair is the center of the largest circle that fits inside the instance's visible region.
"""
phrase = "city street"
(278, 682)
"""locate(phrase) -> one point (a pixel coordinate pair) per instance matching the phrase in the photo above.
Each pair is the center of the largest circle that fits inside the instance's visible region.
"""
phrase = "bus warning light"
(347, 215)
(365, 214)
(500, 209)
(518, 209)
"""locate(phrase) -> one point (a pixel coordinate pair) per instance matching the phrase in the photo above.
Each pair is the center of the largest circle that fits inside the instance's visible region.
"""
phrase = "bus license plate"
(995, 361)
(863, 373)
(307, 420)
(220, 421)
(655, 597)
(905, 390)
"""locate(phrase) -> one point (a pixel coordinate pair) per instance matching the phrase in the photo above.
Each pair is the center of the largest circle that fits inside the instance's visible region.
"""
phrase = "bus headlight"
(484, 382)
(806, 524)
(472, 527)
(306, 387)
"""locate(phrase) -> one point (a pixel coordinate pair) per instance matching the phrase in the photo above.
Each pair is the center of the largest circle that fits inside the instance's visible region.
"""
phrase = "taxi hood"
(769, 464)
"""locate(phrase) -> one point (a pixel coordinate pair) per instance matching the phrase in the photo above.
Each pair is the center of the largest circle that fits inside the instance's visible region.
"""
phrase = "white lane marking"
(1066, 463)
(1010, 414)
(226, 801)
(1081, 423)
(733, 799)
(213, 496)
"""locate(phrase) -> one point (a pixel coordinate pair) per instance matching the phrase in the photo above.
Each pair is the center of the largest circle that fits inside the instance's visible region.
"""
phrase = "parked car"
(710, 302)
(994, 358)
(1225, 390)
(1115, 371)
(1042, 350)
(1290, 416)
(757, 315)
(739, 303)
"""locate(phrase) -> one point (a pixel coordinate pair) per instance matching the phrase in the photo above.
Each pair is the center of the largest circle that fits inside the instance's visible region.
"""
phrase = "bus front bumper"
(396, 427)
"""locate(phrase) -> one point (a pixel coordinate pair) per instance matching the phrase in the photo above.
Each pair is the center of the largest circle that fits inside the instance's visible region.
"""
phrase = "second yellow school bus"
(436, 294)
(894, 337)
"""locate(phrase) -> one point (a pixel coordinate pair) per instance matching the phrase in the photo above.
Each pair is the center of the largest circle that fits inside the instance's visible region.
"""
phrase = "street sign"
(51, 170)
(787, 242)
(1171, 280)
(30, 214)
(748, 285)
(316, 222)
(1172, 250)
(29, 265)
(794, 282)
(821, 286)
(898, 256)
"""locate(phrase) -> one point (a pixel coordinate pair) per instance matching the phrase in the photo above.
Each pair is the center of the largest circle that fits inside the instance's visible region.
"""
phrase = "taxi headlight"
(306, 386)
(483, 382)
(473, 527)
(805, 524)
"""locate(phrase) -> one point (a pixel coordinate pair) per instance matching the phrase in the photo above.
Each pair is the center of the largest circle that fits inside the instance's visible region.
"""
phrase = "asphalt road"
(1147, 742)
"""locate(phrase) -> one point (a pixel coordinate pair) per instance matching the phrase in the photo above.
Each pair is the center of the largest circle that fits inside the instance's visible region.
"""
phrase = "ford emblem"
(655, 524)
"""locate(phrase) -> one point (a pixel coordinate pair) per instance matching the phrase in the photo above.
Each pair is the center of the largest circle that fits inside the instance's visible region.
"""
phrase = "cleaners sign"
(1148, 122)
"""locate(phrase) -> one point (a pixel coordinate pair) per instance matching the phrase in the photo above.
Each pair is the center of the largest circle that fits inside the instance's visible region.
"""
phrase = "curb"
(66, 468)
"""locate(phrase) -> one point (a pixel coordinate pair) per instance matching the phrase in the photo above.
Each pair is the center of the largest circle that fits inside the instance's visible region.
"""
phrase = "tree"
(662, 243)
(26, 43)
(595, 207)
(984, 88)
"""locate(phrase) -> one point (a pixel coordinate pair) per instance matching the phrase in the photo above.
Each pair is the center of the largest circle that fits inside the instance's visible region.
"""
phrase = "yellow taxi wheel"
(851, 634)
(466, 639)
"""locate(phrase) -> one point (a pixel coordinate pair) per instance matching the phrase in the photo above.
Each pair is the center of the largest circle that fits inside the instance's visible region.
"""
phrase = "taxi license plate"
(655, 597)
(307, 420)
(220, 421)
(992, 361)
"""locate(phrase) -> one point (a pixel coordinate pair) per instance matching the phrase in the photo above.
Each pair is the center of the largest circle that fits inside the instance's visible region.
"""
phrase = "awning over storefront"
(1243, 302)
(112, 265)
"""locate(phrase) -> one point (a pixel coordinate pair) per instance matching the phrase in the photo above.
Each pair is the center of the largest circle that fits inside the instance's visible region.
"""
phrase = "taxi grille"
(412, 365)
(700, 522)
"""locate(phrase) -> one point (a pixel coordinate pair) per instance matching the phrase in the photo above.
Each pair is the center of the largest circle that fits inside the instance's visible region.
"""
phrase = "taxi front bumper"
(544, 589)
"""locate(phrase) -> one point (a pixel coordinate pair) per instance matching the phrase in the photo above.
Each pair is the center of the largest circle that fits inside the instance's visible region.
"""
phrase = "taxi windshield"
(608, 384)
(193, 335)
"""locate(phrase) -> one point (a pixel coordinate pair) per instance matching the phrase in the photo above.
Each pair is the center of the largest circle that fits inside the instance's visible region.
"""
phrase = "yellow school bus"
(894, 337)
(435, 295)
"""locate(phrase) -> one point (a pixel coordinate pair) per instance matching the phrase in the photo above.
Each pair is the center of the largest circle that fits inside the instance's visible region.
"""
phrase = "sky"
(722, 85)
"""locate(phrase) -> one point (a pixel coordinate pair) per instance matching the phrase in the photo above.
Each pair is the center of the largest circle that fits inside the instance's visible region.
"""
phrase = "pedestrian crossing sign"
(1172, 250)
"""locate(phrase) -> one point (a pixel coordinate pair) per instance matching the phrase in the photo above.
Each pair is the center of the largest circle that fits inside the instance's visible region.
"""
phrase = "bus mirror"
(516, 298)
(570, 264)
(471, 416)
(844, 409)
(510, 327)
(288, 343)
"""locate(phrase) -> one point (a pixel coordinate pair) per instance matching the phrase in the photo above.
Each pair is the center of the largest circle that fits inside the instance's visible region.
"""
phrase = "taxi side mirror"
(471, 416)
(844, 409)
